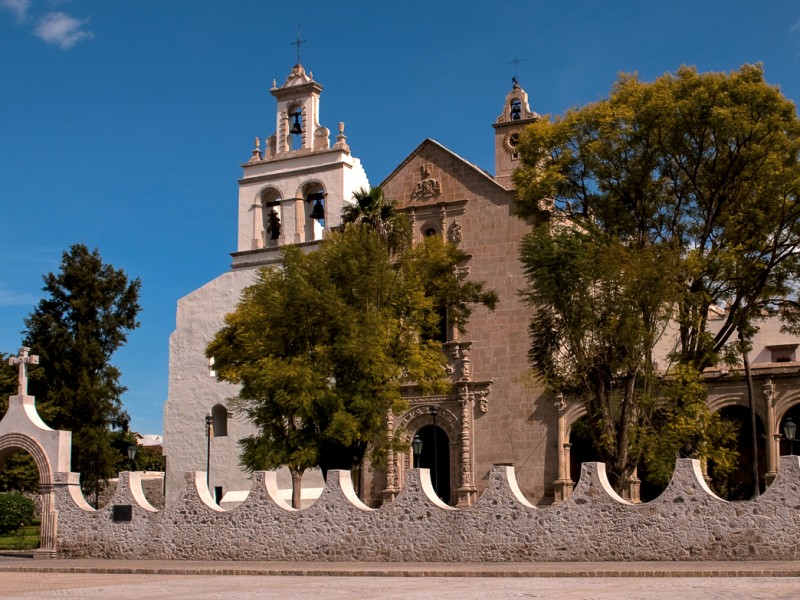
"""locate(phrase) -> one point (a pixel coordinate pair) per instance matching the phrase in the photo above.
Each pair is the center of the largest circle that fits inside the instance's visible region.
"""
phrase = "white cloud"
(19, 8)
(62, 30)
(795, 27)
(13, 298)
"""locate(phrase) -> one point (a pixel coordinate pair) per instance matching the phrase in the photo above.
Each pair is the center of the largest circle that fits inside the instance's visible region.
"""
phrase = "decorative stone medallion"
(428, 187)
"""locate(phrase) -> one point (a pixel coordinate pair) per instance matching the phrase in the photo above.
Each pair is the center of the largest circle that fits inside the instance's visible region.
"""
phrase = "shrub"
(15, 509)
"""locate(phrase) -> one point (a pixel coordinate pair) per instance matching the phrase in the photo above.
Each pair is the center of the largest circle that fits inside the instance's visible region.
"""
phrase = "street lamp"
(209, 420)
(416, 447)
(434, 410)
(132, 456)
(789, 432)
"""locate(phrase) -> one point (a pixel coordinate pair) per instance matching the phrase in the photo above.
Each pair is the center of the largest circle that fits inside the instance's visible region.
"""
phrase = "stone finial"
(23, 360)
(341, 139)
(256, 153)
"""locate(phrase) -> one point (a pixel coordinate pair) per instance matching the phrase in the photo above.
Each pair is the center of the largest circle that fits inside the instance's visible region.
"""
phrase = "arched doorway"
(787, 447)
(435, 456)
(581, 448)
(738, 485)
(9, 444)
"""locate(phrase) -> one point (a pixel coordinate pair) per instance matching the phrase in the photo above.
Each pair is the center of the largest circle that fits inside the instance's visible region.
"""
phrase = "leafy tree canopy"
(648, 208)
(705, 164)
(89, 309)
(322, 345)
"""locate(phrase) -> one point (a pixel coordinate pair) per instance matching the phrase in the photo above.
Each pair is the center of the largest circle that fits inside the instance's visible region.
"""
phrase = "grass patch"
(25, 538)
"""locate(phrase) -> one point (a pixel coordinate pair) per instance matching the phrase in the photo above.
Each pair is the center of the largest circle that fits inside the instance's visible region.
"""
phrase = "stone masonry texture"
(686, 523)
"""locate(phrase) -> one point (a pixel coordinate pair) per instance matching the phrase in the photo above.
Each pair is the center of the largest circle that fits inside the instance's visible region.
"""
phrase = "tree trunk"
(753, 428)
(297, 486)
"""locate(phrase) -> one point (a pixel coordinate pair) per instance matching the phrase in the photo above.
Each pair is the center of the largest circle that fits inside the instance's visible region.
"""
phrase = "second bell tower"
(507, 128)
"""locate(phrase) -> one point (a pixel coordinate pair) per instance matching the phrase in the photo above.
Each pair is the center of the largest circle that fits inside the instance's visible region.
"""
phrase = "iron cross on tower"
(298, 44)
(23, 360)
(515, 62)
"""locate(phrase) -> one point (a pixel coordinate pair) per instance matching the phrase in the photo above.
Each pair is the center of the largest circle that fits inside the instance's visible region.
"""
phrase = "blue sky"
(123, 124)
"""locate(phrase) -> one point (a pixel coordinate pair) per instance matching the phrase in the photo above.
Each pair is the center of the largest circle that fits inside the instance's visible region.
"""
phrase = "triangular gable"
(432, 173)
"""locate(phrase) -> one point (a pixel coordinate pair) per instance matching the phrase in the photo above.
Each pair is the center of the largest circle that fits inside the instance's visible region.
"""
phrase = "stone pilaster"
(467, 493)
(563, 485)
(392, 488)
(773, 437)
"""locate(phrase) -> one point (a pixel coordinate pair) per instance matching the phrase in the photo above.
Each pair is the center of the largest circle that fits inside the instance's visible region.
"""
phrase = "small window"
(516, 110)
(429, 232)
(783, 353)
(219, 416)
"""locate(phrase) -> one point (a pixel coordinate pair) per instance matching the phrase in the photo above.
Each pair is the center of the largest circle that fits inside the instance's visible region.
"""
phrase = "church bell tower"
(507, 128)
(294, 191)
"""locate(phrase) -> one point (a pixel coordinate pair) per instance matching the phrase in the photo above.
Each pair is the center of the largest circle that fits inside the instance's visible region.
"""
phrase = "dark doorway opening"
(790, 447)
(435, 456)
(582, 450)
(738, 485)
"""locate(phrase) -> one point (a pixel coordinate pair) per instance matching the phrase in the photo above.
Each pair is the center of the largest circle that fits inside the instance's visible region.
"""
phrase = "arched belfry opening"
(315, 210)
(270, 224)
(294, 139)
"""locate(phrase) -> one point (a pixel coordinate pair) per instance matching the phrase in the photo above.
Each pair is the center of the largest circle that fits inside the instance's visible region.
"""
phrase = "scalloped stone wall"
(687, 522)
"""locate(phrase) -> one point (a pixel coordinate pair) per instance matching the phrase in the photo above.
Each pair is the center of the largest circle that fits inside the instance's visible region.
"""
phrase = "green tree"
(89, 309)
(371, 209)
(600, 306)
(8, 382)
(699, 171)
(321, 346)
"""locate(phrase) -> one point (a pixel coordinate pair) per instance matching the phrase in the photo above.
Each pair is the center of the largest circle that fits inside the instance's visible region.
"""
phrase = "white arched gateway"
(23, 429)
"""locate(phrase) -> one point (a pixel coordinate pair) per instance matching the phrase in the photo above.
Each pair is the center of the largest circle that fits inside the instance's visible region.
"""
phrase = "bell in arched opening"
(297, 128)
(318, 211)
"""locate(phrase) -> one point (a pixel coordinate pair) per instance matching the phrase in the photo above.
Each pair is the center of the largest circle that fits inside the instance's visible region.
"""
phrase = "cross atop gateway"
(23, 360)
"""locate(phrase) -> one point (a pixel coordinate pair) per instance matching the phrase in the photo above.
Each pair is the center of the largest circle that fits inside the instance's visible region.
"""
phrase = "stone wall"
(687, 522)
(152, 486)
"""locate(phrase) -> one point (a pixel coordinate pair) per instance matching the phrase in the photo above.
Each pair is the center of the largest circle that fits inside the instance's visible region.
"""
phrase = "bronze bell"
(296, 127)
(318, 212)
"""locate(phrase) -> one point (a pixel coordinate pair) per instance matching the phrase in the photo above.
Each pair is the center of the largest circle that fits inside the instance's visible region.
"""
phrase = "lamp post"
(789, 432)
(209, 420)
(434, 410)
(132, 456)
(416, 447)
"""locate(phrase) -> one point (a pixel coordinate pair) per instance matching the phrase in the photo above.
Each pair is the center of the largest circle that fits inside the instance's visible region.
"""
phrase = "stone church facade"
(292, 191)
(494, 414)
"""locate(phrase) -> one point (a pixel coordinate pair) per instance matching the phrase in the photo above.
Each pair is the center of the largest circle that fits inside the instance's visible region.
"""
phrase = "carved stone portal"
(456, 415)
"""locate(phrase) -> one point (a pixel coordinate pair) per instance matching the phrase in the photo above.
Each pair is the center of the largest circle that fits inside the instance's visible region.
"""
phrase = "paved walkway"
(191, 580)
(245, 587)
(387, 569)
